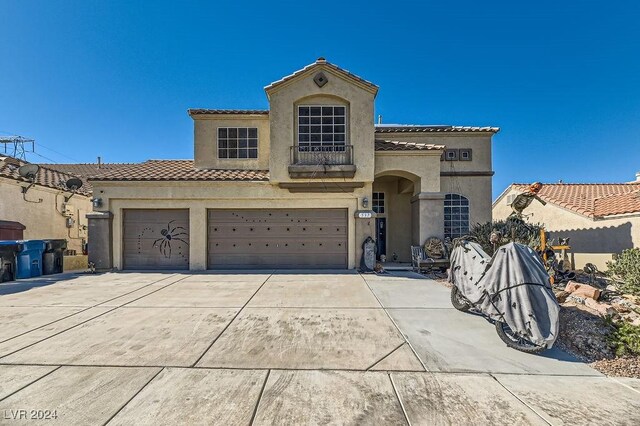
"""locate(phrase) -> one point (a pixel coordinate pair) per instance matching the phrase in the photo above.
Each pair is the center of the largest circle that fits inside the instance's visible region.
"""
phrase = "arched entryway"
(391, 200)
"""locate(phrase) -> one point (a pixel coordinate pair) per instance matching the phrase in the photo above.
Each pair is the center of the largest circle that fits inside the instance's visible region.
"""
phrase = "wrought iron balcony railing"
(322, 155)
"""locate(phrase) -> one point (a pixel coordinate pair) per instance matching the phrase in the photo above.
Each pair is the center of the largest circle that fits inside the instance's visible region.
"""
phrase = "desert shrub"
(625, 340)
(512, 230)
(625, 269)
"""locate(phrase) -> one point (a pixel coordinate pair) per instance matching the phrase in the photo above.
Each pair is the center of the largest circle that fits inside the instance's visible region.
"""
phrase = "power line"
(59, 153)
(46, 158)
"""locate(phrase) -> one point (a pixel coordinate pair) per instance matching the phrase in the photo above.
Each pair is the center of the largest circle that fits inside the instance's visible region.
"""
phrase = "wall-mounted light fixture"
(97, 202)
(365, 202)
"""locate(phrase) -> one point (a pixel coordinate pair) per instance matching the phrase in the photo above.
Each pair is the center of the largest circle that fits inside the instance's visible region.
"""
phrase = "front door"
(381, 236)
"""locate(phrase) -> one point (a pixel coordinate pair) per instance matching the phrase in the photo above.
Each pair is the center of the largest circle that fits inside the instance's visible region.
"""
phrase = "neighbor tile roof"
(618, 204)
(592, 199)
(205, 111)
(46, 176)
(86, 169)
(387, 145)
(321, 62)
(179, 170)
(414, 128)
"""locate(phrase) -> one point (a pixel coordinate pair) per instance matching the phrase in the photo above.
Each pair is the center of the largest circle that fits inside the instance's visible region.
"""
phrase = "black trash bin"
(52, 258)
(8, 250)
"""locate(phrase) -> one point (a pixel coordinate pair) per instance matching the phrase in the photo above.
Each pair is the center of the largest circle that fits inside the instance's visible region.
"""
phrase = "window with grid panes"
(322, 127)
(456, 216)
(237, 142)
(377, 203)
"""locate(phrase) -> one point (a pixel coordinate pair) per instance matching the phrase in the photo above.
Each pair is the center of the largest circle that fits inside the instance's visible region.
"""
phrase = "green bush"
(625, 340)
(625, 269)
(512, 230)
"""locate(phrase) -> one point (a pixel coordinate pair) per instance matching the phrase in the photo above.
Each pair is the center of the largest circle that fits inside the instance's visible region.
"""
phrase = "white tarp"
(511, 287)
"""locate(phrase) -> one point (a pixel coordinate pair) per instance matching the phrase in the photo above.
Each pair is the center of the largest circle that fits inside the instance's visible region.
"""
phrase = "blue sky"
(115, 78)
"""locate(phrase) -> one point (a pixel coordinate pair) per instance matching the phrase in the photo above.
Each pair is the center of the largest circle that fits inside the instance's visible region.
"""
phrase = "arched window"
(456, 215)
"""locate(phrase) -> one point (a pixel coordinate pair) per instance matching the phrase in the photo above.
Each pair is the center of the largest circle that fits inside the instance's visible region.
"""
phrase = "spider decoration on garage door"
(169, 235)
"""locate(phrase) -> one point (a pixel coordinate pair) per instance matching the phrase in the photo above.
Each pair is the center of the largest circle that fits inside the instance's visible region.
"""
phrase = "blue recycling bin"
(29, 260)
(8, 251)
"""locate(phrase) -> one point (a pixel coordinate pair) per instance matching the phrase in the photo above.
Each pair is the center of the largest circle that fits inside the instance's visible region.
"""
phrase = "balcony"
(322, 162)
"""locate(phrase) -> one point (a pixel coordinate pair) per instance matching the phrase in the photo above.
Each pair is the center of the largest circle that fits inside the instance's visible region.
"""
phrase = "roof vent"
(320, 60)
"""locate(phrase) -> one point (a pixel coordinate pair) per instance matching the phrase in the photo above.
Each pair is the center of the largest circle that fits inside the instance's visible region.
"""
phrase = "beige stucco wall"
(206, 141)
(479, 142)
(422, 168)
(198, 197)
(591, 240)
(43, 220)
(338, 90)
(459, 177)
(477, 189)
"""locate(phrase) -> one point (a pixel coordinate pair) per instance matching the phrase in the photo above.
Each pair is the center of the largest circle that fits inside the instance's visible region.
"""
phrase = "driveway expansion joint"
(520, 399)
(133, 396)
(230, 322)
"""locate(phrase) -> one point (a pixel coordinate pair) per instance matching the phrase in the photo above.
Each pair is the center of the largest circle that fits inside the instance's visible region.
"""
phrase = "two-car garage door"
(238, 238)
(277, 238)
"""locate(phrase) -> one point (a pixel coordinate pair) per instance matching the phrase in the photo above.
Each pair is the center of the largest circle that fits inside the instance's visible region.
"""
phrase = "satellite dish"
(73, 184)
(29, 171)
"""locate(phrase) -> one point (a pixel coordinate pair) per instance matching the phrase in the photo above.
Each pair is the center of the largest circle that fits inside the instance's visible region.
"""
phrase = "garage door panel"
(282, 238)
(155, 239)
(327, 260)
(271, 230)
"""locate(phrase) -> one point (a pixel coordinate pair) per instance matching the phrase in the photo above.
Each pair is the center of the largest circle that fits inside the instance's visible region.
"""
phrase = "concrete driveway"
(277, 347)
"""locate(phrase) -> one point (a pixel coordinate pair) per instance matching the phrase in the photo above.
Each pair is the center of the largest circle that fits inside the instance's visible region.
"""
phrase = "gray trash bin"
(8, 251)
(52, 258)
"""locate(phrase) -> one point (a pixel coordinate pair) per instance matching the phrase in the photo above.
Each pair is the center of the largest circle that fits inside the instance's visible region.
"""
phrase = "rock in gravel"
(582, 290)
(602, 309)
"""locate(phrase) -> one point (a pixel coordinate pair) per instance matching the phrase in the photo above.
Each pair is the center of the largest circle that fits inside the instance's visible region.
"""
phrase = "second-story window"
(237, 142)
(321, 127)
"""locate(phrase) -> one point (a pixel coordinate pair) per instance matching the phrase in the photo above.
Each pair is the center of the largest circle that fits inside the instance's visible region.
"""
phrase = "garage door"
(277, 238)
(156, 239)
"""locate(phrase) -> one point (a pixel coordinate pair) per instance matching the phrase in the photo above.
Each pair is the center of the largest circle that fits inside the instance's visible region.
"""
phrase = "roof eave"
(325, 66)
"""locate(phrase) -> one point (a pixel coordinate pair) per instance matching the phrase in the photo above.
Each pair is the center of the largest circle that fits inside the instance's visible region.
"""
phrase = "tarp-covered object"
(511, 287)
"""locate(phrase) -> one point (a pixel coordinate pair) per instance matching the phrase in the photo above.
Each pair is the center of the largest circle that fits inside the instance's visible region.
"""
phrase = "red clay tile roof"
(178, 170)
(592, 199)
(320, 62)
(46, 176)
(387, 145)
(414, 128)
(86, 169)
(618, 204)
(204, 111)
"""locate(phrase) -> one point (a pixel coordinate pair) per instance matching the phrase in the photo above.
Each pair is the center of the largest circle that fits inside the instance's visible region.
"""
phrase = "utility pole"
(17, 146)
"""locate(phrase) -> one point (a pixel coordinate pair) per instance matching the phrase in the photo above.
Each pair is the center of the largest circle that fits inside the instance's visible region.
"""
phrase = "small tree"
(625, 269)
(512, 230)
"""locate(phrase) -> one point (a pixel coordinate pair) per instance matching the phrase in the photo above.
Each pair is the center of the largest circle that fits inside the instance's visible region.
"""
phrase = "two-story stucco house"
(300, 185)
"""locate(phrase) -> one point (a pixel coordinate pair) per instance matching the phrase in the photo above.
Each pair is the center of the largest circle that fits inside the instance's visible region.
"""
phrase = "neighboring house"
(600, 219)
(47, 209)
(302, 184)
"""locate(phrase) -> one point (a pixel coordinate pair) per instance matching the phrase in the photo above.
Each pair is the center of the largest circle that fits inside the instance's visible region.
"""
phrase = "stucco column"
(427, 216)
(365, 227)
(100, 239)
(197, 238)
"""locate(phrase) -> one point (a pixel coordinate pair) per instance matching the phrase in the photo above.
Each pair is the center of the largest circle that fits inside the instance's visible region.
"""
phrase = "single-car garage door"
(155, 239)
(277, 238)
